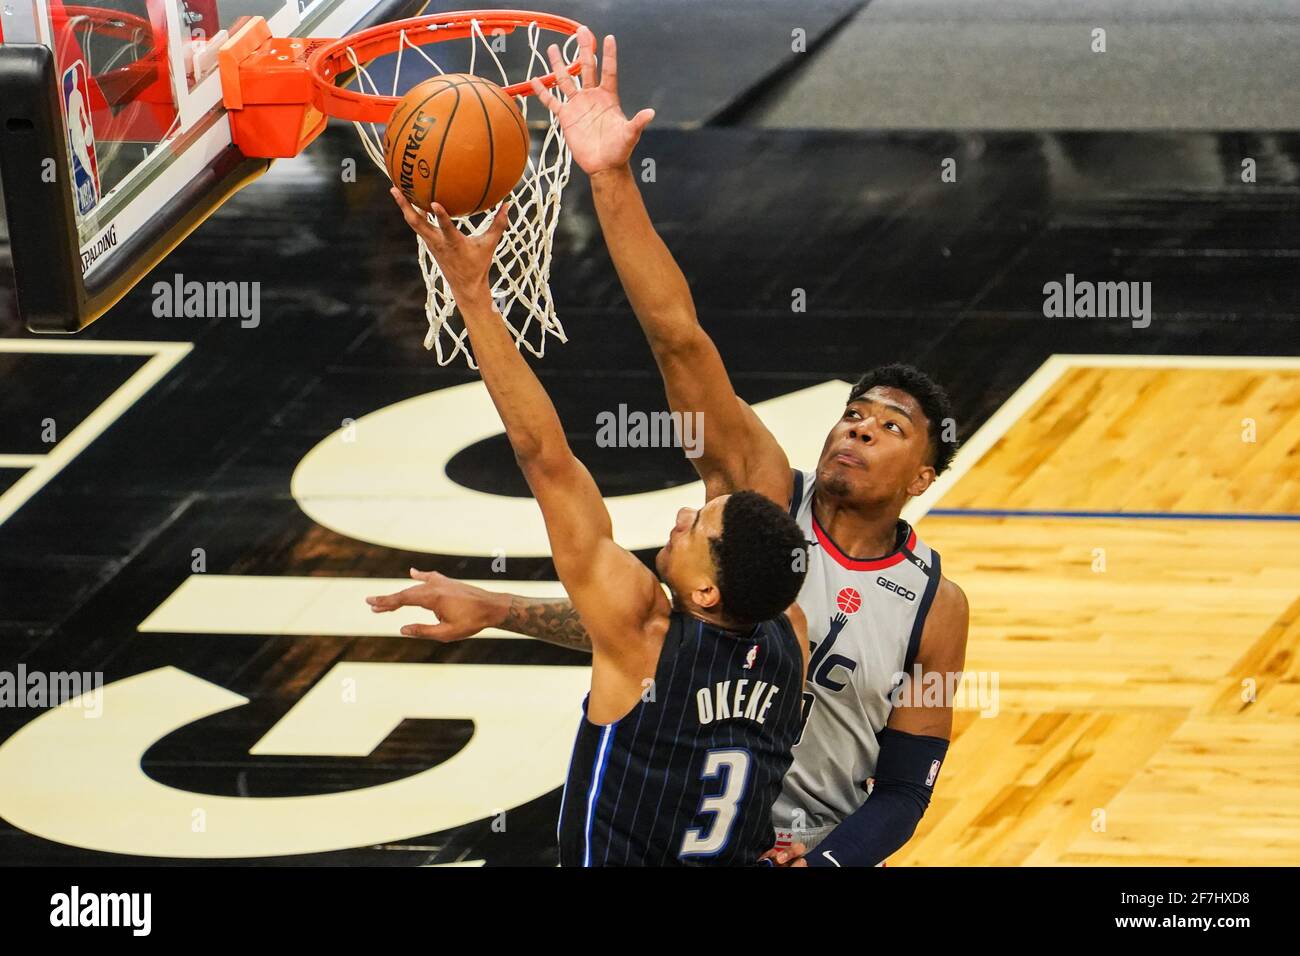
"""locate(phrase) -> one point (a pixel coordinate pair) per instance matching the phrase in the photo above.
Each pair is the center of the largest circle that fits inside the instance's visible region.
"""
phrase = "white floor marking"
(286, 605)
(93, 793)
(383, 479)
(41, 469)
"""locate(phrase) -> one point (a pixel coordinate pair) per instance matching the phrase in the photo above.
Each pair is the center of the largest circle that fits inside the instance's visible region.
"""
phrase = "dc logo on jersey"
(825, 668)
(751, 657)
(81, 137)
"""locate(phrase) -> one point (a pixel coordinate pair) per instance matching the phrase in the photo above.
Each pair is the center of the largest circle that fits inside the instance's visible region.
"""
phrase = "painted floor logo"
(75, 908)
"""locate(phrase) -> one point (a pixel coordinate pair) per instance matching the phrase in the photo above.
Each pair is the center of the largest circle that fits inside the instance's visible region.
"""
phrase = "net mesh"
(520, 277)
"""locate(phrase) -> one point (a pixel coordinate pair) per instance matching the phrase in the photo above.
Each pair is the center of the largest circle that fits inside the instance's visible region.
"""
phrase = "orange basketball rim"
(279, 91)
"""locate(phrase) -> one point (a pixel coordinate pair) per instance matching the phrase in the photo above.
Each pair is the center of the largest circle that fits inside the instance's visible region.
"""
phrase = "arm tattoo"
(552, 620)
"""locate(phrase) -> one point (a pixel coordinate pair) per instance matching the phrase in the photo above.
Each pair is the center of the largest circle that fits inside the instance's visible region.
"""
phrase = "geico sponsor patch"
(898, 589)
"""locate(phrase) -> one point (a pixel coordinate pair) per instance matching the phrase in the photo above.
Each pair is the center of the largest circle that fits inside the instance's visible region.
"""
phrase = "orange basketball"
(458, 140)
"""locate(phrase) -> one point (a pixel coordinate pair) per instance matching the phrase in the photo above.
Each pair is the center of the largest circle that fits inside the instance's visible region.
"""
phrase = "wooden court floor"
(1131, 550)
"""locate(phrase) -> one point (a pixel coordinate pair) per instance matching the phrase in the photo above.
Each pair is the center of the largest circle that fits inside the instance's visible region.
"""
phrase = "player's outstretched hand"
(792, 855)
(462, 609)
(598, 134)
(464, 260)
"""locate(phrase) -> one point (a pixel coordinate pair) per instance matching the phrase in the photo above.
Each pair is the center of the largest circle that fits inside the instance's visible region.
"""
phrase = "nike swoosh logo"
(827, 854)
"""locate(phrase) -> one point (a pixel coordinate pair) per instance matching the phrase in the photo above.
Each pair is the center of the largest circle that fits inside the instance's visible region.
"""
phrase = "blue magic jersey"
(689, 777)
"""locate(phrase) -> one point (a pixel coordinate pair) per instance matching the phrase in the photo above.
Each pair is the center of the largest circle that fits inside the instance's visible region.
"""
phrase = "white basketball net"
(522, 262)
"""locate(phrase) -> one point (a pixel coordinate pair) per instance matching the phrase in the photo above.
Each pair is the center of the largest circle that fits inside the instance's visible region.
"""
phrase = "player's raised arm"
(588, 562)
(737, 451)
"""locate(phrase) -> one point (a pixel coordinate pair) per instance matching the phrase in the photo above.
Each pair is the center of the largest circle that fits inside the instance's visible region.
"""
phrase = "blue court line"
(1140, 515)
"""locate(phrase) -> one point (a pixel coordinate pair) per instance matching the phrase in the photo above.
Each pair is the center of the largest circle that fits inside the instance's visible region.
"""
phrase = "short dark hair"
(760, 557)
(928, 394)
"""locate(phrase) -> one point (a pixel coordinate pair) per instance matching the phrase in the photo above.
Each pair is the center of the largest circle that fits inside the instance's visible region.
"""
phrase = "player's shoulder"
(798, 620)
(947, 625)
(951, 597)
(790, 624)
(799, 625)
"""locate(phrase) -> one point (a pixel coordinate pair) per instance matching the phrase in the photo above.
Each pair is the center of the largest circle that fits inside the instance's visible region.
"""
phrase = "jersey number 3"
(710, 840)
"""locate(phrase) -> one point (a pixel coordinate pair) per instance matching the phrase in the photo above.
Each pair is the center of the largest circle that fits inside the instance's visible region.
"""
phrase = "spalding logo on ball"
(457, 140)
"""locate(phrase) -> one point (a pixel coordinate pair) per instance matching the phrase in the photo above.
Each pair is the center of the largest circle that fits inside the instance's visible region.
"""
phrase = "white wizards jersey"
(864, 626)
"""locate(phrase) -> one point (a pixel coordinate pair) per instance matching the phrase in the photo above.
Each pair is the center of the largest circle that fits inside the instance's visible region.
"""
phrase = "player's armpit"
(735, 449)
(617, 599)
(626, 614)
(766, 466)
(940, 657)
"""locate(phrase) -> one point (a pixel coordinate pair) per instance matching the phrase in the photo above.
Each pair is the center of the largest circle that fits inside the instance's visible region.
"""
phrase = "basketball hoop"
(263, 76)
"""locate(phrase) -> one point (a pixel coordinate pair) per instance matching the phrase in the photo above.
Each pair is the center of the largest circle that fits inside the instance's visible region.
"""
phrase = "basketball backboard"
(115, 142)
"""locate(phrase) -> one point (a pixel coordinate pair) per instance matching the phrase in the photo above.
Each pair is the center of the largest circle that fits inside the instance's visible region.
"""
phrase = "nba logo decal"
(81, 137)
(933, 774)
(751, 657)
(848, 600)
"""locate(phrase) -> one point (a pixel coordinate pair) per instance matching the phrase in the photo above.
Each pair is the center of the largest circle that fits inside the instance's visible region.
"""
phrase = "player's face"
(685, 563)
(878, 450)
